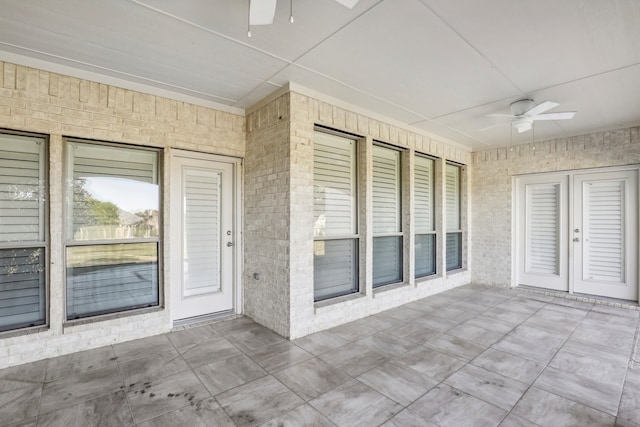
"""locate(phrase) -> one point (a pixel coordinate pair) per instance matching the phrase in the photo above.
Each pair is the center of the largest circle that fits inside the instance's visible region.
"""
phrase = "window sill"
(389, 287)
(23, 331)
(456, 271)
(111, 316)
(427, 279)
(322, 305)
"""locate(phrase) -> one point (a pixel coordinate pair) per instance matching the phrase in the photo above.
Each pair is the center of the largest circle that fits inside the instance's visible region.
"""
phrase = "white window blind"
(542, 228)
(335, 216)
(387, 211)
(423, 172)
(604, 231)
(22, 219)
(453, 219)
(201, 231)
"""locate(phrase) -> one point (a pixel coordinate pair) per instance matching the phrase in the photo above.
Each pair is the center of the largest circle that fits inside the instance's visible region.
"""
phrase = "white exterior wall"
(37, 101)
(492, 192)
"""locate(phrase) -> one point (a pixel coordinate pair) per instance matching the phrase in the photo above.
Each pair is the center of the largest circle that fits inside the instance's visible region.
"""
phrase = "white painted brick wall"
(491, 188)
(37, 101)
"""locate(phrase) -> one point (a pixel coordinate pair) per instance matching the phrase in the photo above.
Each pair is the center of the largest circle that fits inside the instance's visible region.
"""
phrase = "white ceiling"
(438, 65)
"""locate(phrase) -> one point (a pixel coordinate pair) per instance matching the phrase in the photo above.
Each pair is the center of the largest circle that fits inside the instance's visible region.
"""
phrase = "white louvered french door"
(542, 207)
(605, 234)
(202, 236)
(578, 232)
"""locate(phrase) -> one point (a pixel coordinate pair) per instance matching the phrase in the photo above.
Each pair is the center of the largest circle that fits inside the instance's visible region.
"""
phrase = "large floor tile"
(403, 314)
(476, 334)
(110, 410)
(588, 366)
(503, 314)
(531, 343)
(185, 339)
(144, 347)
(398, 382)
(430, 362)
(413, 333)
(448, 407)
(228, 327)
(622, 342)
(209, 351)
(490, 323)
(20, 404)
(629, 410)
(258, 401)
(355, 404)
(82, 361)
(22, 375)
(603, 396)
(303, 415)
(602, 352)
(408, 418)
(253, 338)
(205, 413)
(457, 347)
(279, 356)
(496, 389)
(320, 342)
(381, 321)
(352, 331)
(515, 421)
(77, 388)
(229, 373)
(165, 395)
(437, 323)
(354, 359)
(509, 365)
(151, 368)
(312, 378)
(28, 422)
(548, 409)
(387, 344)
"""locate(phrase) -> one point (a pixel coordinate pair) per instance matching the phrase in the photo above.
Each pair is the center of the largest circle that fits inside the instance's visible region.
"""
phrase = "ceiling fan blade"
(555, 116)
(523, 127)
(541, 108)
(348, 3)
(495, 126)
(262, 12)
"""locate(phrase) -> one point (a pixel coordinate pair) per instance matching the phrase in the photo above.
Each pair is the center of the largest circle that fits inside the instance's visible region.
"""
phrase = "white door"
(605, 234)
(586, 242)
(202, 236)
(542, 206)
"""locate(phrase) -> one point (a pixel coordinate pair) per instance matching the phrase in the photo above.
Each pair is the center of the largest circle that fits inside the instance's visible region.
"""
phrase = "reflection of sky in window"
(129, 195)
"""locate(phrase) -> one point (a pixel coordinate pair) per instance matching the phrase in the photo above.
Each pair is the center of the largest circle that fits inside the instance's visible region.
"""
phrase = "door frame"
(237, 221)
(517, 244)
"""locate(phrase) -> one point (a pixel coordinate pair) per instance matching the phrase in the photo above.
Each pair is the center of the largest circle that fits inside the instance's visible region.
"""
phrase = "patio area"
(472, 356)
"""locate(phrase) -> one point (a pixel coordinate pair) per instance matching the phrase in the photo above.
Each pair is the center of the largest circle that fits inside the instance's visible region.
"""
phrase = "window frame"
(44, 243)
(399, 233)
(355, 237)
(433, 232)
(70, 243)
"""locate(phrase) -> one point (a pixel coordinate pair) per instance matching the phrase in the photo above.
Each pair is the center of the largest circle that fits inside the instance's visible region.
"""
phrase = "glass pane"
(454, 251)
(334, 185)
(335, 268)
(453, 197)
(110, 278)
(423, 194)
(386, 190)
(425, 254)
(114, 193)
(22, 188)
(22, 288)
(387, 260)
(201, 257)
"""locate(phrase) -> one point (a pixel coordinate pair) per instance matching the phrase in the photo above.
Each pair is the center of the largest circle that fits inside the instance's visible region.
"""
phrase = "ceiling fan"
(524, 112)
(262, 12)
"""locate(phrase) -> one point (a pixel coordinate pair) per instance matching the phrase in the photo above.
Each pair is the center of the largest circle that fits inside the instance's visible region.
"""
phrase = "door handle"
(229, 244)
(576, 239)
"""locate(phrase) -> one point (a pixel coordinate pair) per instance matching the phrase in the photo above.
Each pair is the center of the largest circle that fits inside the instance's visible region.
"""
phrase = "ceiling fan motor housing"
(520, 107)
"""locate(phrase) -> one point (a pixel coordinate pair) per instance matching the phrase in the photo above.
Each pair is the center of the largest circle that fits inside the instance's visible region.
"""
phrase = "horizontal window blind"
(335, 266)
(334, 197)
(604, 231)
(92, 160)
(454, 251)
(201, 231)
(22, 198)
(542, 228)
(107, 278)
(423, 194)
(452, 193)
(425, 254)
(387, 260)
(386, 190)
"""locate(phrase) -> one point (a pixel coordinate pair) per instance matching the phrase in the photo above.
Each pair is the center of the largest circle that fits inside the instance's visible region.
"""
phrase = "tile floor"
(473, 356)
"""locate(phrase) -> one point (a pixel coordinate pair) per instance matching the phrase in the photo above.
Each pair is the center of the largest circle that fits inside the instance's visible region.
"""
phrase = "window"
(23, 235)
(387, 214)
(425, 235)
(112, 230)
(454, 223)
(335, 228)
